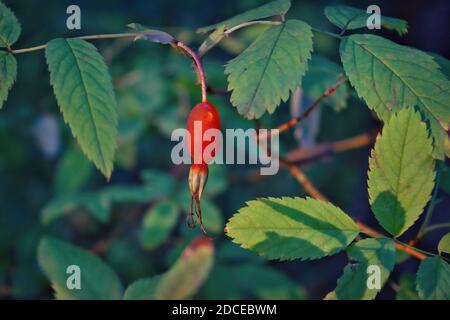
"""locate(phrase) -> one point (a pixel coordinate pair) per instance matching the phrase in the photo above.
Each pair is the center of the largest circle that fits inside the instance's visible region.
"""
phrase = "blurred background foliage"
(136, 222)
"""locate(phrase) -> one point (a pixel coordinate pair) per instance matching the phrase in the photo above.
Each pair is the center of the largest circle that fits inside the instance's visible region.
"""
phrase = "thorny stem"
(298, 174)
(294, 121)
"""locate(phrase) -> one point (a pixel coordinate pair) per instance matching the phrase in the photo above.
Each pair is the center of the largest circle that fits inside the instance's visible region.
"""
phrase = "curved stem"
(294, 121)
(191, 53)
(198, 65)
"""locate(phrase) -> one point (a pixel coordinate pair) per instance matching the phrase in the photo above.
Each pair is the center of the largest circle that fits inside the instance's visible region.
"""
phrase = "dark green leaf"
(277, 7)
(433, 279)
(391, 77)
(9, 27)
(83, 89)
(8, 73)
(349, 18)
(98, 280)
(270, 68)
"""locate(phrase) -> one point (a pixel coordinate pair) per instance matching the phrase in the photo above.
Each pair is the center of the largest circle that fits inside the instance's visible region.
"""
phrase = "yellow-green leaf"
(401, 175)
(292, 228)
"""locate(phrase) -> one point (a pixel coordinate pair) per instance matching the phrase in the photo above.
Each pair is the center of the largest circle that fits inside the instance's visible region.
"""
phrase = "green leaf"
(96, 205)
(142, 289)
(98, 280)
(277, 7)
(444, 244)
(9, 27)
(433, 279)
(84, 91)
(8, 74)
(151, 34)
(72, 172)
(189, 272)
(158, 222)
(349, 18)
(270, 68)
(391, 77)
(443, 63)
(292, 228)
(353, 285)
(322, 74)
(401, 172)
(407, 288)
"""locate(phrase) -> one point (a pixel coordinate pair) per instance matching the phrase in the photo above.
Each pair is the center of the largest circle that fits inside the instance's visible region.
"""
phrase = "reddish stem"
(198, 65)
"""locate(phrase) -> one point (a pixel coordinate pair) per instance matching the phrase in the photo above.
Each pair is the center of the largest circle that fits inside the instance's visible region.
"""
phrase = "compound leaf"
(292, 228)
(84, 91)
(391, 77)
(401, 172)
(270, 68)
